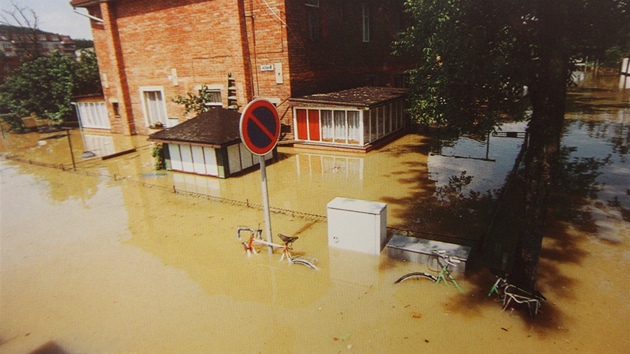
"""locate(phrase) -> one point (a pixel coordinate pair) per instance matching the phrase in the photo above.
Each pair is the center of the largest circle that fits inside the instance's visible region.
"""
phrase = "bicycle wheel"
(416, 275)
(304, 262)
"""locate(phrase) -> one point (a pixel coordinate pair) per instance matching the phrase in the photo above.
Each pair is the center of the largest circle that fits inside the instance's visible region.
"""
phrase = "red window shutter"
(313, 124)
(302, 132)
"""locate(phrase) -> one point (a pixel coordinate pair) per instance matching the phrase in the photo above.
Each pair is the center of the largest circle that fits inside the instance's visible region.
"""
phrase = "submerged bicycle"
(509, 293)
(255, 238)
(444, 261)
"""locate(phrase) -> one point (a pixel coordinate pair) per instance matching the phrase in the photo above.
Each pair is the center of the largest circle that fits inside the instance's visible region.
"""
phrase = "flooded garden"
(112, 256)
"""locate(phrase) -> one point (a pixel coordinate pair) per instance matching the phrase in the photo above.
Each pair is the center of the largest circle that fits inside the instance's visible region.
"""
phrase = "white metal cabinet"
(357, 225)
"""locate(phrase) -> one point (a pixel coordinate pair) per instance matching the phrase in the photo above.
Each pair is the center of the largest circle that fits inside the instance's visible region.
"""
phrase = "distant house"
(208, 144)
(152, 51)
(28, 43)
(18, 44)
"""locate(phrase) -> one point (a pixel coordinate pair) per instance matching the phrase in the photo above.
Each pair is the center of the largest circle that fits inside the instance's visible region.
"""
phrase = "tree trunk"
(545, 129)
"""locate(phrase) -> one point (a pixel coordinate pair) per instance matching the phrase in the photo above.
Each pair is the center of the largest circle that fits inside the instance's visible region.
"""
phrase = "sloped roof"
(84, 2)
(362, 96)
(216, 127)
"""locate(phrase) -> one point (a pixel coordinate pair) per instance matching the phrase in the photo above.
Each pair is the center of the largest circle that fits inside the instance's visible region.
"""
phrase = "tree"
(481, 60)
(45, 86)
(88, 80)
(197, 103)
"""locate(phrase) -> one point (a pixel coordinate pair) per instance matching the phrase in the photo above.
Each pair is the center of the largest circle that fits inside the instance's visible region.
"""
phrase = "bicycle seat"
(287, 239)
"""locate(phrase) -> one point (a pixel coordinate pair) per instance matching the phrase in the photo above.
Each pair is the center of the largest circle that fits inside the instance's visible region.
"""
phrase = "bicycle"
(444, 261)
(509, 293)
(255, 238)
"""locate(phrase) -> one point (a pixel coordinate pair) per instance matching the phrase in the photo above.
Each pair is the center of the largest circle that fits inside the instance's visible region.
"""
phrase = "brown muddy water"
(108, 259)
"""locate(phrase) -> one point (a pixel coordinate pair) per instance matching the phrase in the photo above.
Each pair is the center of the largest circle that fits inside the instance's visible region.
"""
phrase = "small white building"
(355, 119)
(209, 144)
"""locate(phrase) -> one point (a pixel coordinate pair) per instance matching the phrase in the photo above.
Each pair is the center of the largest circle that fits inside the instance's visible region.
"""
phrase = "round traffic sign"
(260, 126)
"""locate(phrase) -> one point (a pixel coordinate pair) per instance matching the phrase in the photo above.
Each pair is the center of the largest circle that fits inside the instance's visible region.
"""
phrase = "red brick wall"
(268, 45)
(340, 59)
(199, 39)
(205, 40)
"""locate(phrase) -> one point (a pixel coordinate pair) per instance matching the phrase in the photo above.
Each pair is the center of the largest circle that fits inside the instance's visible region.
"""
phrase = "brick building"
(29, 43)
(150, 51)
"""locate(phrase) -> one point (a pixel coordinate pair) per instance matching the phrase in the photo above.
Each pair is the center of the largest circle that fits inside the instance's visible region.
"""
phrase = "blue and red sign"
(260, 127)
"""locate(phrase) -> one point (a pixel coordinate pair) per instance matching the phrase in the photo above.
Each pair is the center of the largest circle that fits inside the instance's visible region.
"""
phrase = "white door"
(198, 160)
(93, 115)
(187, 158)
(234, 158)
(176, 158)
(210, 156)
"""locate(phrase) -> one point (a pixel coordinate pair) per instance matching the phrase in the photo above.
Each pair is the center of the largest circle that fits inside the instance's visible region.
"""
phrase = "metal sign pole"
(259, 128)
(74, 165)
(263, 173)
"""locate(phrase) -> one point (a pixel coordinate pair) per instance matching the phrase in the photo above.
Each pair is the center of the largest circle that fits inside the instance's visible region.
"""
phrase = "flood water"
(108, 259)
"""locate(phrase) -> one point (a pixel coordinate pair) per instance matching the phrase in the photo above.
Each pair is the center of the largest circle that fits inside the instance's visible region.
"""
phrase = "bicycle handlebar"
(252, 232)
(451, 260)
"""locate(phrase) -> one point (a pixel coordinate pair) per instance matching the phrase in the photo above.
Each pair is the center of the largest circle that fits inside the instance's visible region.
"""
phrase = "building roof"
(217, 127)
(362, 96)
(84, 2)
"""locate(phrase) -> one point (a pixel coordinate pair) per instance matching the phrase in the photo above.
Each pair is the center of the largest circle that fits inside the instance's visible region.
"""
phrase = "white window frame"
(214, 88)
(336, 138)
(93, 114)
(313, 24)
(147, 119)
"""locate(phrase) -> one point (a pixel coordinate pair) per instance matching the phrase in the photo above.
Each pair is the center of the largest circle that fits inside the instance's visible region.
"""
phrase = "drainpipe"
(247, 59)
(108, 12)
(87, 15)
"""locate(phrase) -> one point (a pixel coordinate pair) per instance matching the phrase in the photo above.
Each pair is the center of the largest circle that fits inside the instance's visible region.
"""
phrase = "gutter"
(88, 16)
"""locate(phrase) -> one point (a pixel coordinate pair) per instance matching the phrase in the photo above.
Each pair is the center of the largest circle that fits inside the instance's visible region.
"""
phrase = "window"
(334, 126)
(354, 127)
(93, 115)
(365, 16)
(340, 126)
(153, 105)
(327, 126)
(401, 80)
(211, 94)
(343, 15)
(312, 21)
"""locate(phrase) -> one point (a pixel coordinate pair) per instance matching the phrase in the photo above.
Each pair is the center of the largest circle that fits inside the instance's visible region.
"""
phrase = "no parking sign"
(260, 127)
(260, 131)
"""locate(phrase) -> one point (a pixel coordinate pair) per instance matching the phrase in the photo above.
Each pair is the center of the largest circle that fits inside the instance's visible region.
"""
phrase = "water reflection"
(597, 168)
(486, 161)
(161, 272)
(100, 145)
(591, 194)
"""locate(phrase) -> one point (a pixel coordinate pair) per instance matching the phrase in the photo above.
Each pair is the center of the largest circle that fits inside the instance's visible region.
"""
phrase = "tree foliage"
(480, 60)
(45, 86)
(196, 102)
(475, 58)
(88, 80)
